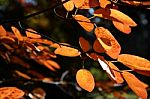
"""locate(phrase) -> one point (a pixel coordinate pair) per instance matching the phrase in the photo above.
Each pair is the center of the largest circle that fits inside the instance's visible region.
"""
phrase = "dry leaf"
(78, 3)
(32, 35)
(84, 44)
(2, 31)
(10, 93)
(135, 84)
(115, 70)
(17, 33)
(104, 3)
(85, 80)
(67, 51)
(84, 22)
(69, 5)
(122, 27)
(89, 4)
(98, 47)
(108, 42)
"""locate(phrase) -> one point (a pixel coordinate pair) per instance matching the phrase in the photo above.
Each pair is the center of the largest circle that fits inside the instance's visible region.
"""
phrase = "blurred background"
(69, 31)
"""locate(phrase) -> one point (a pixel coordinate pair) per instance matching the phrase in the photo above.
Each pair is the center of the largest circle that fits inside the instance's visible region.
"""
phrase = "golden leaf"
(135, 84)
(10, 93)
(69, 6)
(84, 44)
(95, 56)
(42, 41)
(122, 27)
(78, 3)
(84, 22)
(22, 74)
(85, 80)
(32, 35)
(67, 51)
(89, 4)
(2, 31)
(17, 33)
(108, 42)
(104, 3)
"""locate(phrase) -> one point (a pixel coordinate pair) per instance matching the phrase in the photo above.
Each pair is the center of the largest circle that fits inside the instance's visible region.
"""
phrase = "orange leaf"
(7, 39)
(98, 47)
(67, 51)
(32, 35)
(137, 3)
(84, 44)
(10, 93)
(84, 22)
(42, 41)
(104, 3)
(53, 64)
(122, 27)
(108, 42)
(89, 4)
(78, 3)
(135, 84)
(69, 6)
(17, 33)
(85, 80)
(22, 74)
(2, 31)
(95, 56)
(136, 63)
(116, 72)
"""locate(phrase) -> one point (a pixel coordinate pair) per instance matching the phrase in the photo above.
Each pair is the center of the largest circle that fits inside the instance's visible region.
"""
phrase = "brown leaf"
(89, 4)
(69, 6)
(122, 27)
(10, 93)
(67, 51)
(104, 3)
(32, 35)
(84, 44)
(115, 70)
(95, 56)
(85, 80)
(84, 22)
(17, 33)
(98, 47)
(108, 42)
(78, 3)
(135, 84)
(7, 39)
(2, 31)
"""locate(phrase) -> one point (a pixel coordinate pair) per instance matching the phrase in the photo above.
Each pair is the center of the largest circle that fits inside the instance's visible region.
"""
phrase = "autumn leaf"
(67, 51)
(41, 41)
(108, 42)
(17, 33)
(89, 4)
(135, 84)
(137, 3)
(84, 44)
(7, 39)
(22, 74)
(85, 80)
(11, 93)
(122, 27)
(78, 3)
(104, 3)
(95, 56)
(2, 31)
(84, 22)
(32, 35)
(98, 47)
(69, 5)
(115, 71)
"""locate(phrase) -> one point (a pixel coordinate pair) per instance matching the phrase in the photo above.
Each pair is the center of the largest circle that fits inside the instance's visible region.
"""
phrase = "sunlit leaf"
(89, 4)
(108, 42)
(47, 64)
(17, 33)
(98, 47)
(84, 22)
(42, 41)
(32, 35)
(84, 44)
(122, 27)
(115, 70)
(2, 31)
(7, 39)
(10, 93)
(135, 84)
(85, 80)
(78, 3)
(106, 68)
(137, 3)
(22, 74)
(69, 6)
(104, 3)
(136, 63)
(67, 51)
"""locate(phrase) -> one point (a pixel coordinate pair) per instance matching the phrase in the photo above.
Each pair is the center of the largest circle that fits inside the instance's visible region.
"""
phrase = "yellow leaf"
(67, 51)
(104, 3)
(11, 93)
(2, 31)
(122, 27)
(17, 33)
(85, 80)
(69, 6)
(78, 3)
(89, 4)
(32, 35)
(84, 22)
(108, 42)
(84, 44)
(135, 84)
